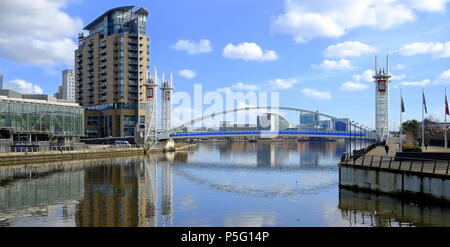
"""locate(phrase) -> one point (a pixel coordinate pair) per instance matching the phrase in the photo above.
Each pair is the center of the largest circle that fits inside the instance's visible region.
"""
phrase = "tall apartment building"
(68, 85)
(111, 68)
(67, 90)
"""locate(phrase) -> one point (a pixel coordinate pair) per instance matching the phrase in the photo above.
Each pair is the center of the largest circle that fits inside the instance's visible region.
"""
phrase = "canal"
(217, 184)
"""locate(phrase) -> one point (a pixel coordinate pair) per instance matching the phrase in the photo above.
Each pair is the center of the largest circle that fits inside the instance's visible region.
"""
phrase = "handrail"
(429, 166)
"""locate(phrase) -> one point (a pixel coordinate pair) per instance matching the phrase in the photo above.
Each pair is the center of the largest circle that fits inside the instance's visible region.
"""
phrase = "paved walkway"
(394, 147)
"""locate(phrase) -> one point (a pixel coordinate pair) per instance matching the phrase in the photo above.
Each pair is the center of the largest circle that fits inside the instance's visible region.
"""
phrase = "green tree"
(412, 127)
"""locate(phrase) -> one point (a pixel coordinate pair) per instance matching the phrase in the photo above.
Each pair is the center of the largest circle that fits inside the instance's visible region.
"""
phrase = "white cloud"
(398, 77)
(22, 86)
(37, 32)
(429, 5)
(305, 20)
(224, 90)
(399, 67)
(353, 86)
(283, 83)
(187, 73)
(342, 64)
(192, 47)
(366, 76)
(437, 50)
(312, 93)
(348, 49)
(249, 52)
(244, 86)
(444, 76)
(421, 83)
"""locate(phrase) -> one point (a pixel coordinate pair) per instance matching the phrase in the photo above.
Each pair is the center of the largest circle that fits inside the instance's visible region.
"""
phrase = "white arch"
(192, 122)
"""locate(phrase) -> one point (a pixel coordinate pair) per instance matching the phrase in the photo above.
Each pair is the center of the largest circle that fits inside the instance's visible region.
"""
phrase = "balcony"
(90, 88)
(132, 97)
(133, 55)
(133, 90)
(90, 75)
(133, 42)
(90, 50)
(79, 55)
(132, 77)
(103, 65)
(91, 81)
(103, 92)
(90, 56)
(103, 85)
(133, 69)
(90, 62)
(103, 98)
(103, 72)
(103, 78)
(133, 48)
(133, 62)
(103, 45)
(103, 52)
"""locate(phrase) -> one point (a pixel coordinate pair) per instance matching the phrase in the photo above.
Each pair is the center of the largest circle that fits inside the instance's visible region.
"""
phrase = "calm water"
(218, 184)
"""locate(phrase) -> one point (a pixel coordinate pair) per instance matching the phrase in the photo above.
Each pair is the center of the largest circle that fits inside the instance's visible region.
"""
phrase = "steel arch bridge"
(180, 133)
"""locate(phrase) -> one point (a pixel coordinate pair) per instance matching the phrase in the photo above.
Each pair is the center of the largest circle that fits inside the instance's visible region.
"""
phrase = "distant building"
(1, 81)
(67, 90)
(272, 122)
(308, 119)
(38, 120)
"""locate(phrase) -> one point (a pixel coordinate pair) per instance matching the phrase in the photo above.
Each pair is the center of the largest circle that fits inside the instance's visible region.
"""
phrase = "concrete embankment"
(404, 178)
(27, 158)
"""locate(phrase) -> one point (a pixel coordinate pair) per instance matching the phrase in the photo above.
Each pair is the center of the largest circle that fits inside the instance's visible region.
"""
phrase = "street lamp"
(356, 123)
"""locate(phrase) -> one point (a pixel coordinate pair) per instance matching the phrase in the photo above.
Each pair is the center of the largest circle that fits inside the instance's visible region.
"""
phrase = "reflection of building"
(270, 155)
(39, 119)
(111, 197)
(167, 194)
(362, 208)
(111, 65)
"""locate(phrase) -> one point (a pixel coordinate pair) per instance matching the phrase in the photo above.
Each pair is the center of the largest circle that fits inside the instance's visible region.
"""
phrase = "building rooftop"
(10, 95)
(141, 10)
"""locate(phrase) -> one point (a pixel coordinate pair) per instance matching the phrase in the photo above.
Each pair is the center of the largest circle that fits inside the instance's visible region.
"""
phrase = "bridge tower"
(166, 110)
(150, 118)
(382, 79)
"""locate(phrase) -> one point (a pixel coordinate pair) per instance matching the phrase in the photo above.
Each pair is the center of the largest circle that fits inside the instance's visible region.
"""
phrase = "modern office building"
(1, 81)
(38, 120)
(309, 119)
(111, 68)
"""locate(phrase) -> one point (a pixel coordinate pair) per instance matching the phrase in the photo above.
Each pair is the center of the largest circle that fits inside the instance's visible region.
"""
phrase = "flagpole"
(423, 124)
(445, 126)
(401, 126)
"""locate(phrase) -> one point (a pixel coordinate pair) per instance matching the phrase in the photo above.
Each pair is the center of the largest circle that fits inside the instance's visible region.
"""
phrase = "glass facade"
(29, 116)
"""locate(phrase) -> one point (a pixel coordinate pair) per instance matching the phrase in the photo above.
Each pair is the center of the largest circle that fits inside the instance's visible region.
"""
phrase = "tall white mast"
(150, 117)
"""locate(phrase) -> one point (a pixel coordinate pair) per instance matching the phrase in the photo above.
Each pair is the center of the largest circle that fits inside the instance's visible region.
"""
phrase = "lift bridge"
(151, 134)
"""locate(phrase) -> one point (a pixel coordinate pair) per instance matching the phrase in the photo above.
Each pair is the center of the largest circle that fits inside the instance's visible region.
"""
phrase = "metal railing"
(62, 148)
(441, 167)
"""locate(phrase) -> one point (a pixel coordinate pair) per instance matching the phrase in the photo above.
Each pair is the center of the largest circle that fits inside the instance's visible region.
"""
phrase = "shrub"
(409, 147)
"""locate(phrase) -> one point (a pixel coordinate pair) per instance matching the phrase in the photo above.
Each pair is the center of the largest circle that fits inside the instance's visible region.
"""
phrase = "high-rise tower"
(111, 69)
(382, 79)
(166, 107)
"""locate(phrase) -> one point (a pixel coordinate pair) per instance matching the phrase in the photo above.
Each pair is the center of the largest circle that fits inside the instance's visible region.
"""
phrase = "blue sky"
(314, 53)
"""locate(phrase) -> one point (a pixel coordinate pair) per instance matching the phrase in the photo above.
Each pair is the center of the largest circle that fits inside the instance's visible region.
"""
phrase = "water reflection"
(367, 209)
(219, 184)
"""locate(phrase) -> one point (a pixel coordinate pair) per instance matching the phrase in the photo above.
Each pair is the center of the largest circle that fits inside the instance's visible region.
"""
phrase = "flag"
(424, 102)
(403, 105)
(447, 112)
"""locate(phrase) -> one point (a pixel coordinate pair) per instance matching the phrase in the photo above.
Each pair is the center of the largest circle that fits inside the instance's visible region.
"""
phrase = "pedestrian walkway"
(394, 147)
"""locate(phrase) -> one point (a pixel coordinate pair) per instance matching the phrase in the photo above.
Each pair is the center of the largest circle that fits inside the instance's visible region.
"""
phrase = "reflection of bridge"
(351, 130)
